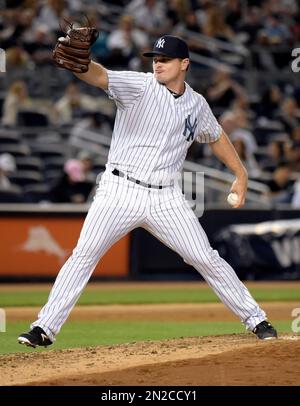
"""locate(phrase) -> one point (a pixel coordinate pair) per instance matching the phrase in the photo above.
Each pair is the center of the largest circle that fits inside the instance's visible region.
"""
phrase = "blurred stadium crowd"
(55, 130)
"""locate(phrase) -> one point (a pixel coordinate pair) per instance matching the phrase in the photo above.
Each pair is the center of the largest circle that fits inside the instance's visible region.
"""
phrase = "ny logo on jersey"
(189, 129)
(160, 43)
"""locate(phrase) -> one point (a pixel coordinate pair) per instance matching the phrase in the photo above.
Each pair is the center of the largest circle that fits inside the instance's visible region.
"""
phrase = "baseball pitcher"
(158, 117)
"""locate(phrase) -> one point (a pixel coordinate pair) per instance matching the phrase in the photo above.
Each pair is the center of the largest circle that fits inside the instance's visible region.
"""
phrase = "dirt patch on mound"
(265, 364)
(238, 359)
(220, 360)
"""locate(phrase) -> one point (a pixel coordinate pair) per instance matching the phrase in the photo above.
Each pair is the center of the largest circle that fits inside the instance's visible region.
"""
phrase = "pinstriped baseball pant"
(120, 206)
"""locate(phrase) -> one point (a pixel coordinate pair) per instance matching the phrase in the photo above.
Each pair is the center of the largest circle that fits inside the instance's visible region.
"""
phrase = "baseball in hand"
(232, 199)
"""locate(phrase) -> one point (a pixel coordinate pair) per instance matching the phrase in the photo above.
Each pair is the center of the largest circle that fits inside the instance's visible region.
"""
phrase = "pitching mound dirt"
(221, 360)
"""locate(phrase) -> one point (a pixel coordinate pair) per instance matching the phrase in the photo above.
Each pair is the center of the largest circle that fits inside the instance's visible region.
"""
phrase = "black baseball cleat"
(265, 331)
(35, 337)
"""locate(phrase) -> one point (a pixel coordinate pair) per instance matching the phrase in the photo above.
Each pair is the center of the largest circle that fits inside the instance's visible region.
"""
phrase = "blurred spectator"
(126, 41)
(288, 7)
(39, 43)
(276, 152)
(234, 124)
(228, 122)
(149, 15)
(16, 99)
(270, 102)
(242, 103)
(247, 158)
(277, 37)
(72, 187)
(251, 25)
(296, 135)
(296, 28)
(7, 165)
(297, 90)
(289, 114)
(200, 7)
(7, 28)
(140, 63)
(87, 133)
(281, 185)
(242, 131)
(223, 90)
(177, 12)
(86, 159)
(99, 48)
(18, 58)
(73, 104)
(75, 5)
(16, 24)
(274, 32)
(51, 14)
(215, 25)
(294, 157)
(296, 196)
(233, 13)
(191, 22)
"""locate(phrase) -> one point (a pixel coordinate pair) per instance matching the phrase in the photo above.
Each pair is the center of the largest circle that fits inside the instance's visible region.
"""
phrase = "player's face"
(167, 70)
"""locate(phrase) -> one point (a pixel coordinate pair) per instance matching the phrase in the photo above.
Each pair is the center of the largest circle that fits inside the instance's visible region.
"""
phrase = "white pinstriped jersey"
(153, 130)
(152, 133)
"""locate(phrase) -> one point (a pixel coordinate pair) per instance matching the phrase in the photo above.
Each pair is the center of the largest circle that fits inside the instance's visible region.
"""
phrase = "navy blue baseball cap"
(171, 46)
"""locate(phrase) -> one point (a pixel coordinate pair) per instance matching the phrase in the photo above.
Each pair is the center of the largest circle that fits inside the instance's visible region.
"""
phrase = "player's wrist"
(241, 173)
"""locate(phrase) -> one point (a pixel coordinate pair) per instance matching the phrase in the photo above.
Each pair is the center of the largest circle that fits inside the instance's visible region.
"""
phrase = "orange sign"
(40, 246)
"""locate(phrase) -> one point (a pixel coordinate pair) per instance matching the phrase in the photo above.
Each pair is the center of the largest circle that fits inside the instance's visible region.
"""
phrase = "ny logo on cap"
(160, 43)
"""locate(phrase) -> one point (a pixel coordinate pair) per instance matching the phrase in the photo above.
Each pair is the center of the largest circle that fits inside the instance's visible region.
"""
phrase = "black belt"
(139, 182)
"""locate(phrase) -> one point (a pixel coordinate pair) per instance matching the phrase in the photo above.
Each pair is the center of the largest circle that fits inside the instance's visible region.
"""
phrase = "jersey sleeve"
(125, 87)
(210, 129)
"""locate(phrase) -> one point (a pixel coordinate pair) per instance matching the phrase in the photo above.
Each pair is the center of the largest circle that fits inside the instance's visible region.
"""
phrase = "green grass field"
(91, 333)
(127, 295)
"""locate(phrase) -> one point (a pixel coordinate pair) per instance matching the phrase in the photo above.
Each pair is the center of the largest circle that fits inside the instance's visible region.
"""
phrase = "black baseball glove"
(73, 52)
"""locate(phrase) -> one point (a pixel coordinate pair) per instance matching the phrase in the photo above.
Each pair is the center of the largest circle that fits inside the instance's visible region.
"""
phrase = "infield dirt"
(238, 359)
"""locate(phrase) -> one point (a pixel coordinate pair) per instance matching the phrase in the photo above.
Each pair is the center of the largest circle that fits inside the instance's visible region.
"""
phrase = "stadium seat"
(1, 105)
(54, 163)
(12, 195)
(45, 151)
(25, 178)
(99, 165)
(29, 163)
(32, 119)
(36, 193)
(53, 175)
(98, 168)
(9, 139)
(17, 150)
